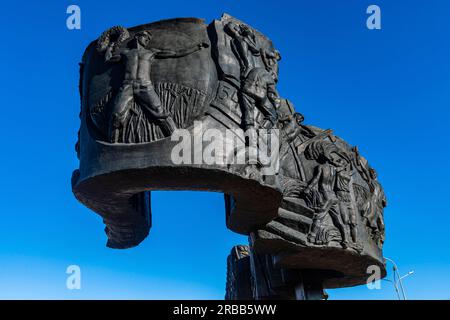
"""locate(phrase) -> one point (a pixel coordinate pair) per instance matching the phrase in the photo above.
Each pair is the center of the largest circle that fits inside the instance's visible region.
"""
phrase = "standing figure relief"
(137, 86)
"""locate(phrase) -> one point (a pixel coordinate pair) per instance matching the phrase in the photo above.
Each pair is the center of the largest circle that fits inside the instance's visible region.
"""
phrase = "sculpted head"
(326, 151)
(143, 38)
(336, 158)
(373, 173)
(299, 118)
(245, 30)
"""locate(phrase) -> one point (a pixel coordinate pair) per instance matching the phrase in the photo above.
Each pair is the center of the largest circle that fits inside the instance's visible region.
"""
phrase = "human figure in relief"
(245, 44)
(137, 85)
(321, 193)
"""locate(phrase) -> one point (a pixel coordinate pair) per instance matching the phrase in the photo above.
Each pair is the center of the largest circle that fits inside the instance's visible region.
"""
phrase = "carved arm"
(180, 53)
(315, 181)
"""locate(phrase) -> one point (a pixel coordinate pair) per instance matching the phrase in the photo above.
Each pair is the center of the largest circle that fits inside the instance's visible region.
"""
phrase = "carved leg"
(149, 99)
(252, 145)
(354, 232)
(317, 221)
(120, 111)
(270, 114)
(248, 104)
(337, 220)
(352, 223)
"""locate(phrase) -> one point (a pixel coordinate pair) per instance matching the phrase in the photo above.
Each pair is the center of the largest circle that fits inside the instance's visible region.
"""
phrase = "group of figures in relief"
(333, 192)
(330, 193)
(343, 188)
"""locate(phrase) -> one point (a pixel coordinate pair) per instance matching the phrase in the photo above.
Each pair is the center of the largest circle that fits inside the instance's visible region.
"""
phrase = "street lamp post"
(399, 281)
(395, 287)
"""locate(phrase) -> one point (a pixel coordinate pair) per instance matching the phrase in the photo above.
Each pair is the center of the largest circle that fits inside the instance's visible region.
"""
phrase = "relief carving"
(328, 193)
(321, 209)
(134, 111)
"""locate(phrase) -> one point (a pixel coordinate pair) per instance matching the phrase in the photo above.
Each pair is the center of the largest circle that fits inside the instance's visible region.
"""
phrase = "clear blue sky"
(386, 91)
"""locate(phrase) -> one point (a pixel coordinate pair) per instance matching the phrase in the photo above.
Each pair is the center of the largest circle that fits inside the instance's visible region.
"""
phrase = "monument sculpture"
(310, 203)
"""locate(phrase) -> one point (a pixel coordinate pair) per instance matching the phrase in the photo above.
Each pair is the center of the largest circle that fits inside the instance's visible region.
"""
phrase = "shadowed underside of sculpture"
(182, 105)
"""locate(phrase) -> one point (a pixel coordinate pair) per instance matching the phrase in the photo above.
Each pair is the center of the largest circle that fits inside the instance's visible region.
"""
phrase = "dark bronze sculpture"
(137, 84)
(310, 203)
